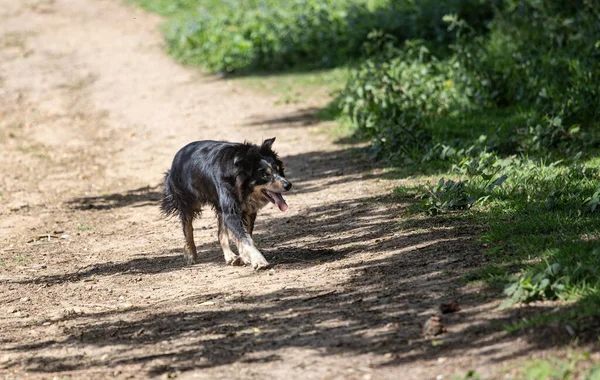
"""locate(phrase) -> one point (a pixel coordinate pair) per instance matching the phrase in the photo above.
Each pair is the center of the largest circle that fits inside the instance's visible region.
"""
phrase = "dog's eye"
(266, 175)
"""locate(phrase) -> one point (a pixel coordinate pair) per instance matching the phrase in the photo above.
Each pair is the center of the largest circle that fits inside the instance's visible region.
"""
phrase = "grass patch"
(542, 226)
(171, 8)
(299, 86)
(576, 365)
(493, 275)
(83, 227)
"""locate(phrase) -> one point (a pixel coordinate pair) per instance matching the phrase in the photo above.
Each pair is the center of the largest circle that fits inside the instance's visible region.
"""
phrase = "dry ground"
(92, 281)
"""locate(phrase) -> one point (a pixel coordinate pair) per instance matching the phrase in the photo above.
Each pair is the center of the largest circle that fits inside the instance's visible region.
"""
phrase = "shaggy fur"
(236, 180)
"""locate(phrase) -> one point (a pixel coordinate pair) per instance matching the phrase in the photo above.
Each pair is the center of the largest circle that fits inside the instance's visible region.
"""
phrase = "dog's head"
(268, 176)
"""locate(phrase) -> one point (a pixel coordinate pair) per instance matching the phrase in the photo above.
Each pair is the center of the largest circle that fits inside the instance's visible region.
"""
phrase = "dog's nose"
(287, 185)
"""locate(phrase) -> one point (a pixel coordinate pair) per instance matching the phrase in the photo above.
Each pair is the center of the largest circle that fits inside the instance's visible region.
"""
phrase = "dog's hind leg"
(189, 251)
(230, 257)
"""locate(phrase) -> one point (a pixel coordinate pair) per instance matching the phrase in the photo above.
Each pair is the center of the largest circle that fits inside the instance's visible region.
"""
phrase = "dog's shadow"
(143, 196)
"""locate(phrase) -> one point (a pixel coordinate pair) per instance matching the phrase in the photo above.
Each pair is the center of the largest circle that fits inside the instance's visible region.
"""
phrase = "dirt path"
(91, 113)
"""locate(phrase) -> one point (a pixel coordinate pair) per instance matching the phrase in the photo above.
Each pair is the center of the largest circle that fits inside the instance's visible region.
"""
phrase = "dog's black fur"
(236, 180)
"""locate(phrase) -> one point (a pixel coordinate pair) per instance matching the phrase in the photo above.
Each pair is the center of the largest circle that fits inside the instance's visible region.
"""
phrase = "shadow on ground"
(302, 118)
(170, 261)
(386, 280)
(395, 280)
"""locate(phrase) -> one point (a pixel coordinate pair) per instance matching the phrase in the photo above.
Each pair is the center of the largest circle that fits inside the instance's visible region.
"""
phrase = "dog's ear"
(266, 145)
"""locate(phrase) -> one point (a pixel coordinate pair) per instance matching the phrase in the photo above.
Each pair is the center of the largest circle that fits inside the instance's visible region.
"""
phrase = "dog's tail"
(169, 205)
(175, 200)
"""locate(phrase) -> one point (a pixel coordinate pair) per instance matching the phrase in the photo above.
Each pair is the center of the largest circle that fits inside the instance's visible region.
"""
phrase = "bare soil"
(92, 280)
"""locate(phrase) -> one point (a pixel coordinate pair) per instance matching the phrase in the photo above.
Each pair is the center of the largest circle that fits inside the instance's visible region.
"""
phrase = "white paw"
(259, 262)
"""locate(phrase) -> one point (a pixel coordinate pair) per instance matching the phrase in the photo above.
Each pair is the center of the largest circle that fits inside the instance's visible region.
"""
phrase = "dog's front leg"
(232, 218)
(248, 221)
(230, 257)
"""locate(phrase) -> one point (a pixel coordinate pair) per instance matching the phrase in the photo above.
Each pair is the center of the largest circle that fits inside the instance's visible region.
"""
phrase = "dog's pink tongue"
(279, 201)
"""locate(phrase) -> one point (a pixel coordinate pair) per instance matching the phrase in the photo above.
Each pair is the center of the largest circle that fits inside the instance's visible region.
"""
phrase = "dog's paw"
(235, 261)
(191, 259)
(190, 255)
(245, 259)
(260, 264)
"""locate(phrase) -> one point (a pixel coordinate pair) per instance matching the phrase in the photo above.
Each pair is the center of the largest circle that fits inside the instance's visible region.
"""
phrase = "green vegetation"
(83, 227)
(541, 215)
(504, 116)
(248, 35)
(294, 86)
(174, 7)
(575, 366)
(498, 98)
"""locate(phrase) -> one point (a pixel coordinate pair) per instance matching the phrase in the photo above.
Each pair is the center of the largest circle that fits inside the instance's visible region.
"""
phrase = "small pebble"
(433, 326)
(449, 307)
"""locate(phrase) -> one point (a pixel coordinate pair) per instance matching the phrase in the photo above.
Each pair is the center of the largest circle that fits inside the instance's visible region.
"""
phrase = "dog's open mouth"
(277, 199)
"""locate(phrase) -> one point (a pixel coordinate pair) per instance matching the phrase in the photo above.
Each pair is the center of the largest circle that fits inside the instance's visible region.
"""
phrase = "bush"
(391, 94)
(538, 55)
(243, 35)
(273, 35)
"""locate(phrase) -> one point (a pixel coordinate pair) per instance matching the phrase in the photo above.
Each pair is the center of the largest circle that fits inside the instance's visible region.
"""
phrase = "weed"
(83, 227)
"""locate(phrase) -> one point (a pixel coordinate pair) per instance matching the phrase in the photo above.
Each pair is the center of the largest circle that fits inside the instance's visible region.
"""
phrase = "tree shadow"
(320, 170)
(401, 278)
(355, 319)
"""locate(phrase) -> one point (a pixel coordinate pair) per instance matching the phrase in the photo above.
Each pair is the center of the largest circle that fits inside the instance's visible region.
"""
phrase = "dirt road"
(93, 284)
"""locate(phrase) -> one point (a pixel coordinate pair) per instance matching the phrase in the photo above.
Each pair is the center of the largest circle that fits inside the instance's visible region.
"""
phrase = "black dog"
(236, 180)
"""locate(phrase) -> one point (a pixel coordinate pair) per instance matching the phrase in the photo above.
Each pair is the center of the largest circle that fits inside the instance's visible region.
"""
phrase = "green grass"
(170, 8)
(543, 236)
(497, 125)
(576, 365)
(297, 86)
(542, 231)
(83, 227)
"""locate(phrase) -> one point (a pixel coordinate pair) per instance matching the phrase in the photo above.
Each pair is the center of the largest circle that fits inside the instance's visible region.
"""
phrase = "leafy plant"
(593, 201)
(447, 195)
(267, 34)
(555, 280)
(537, 285)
